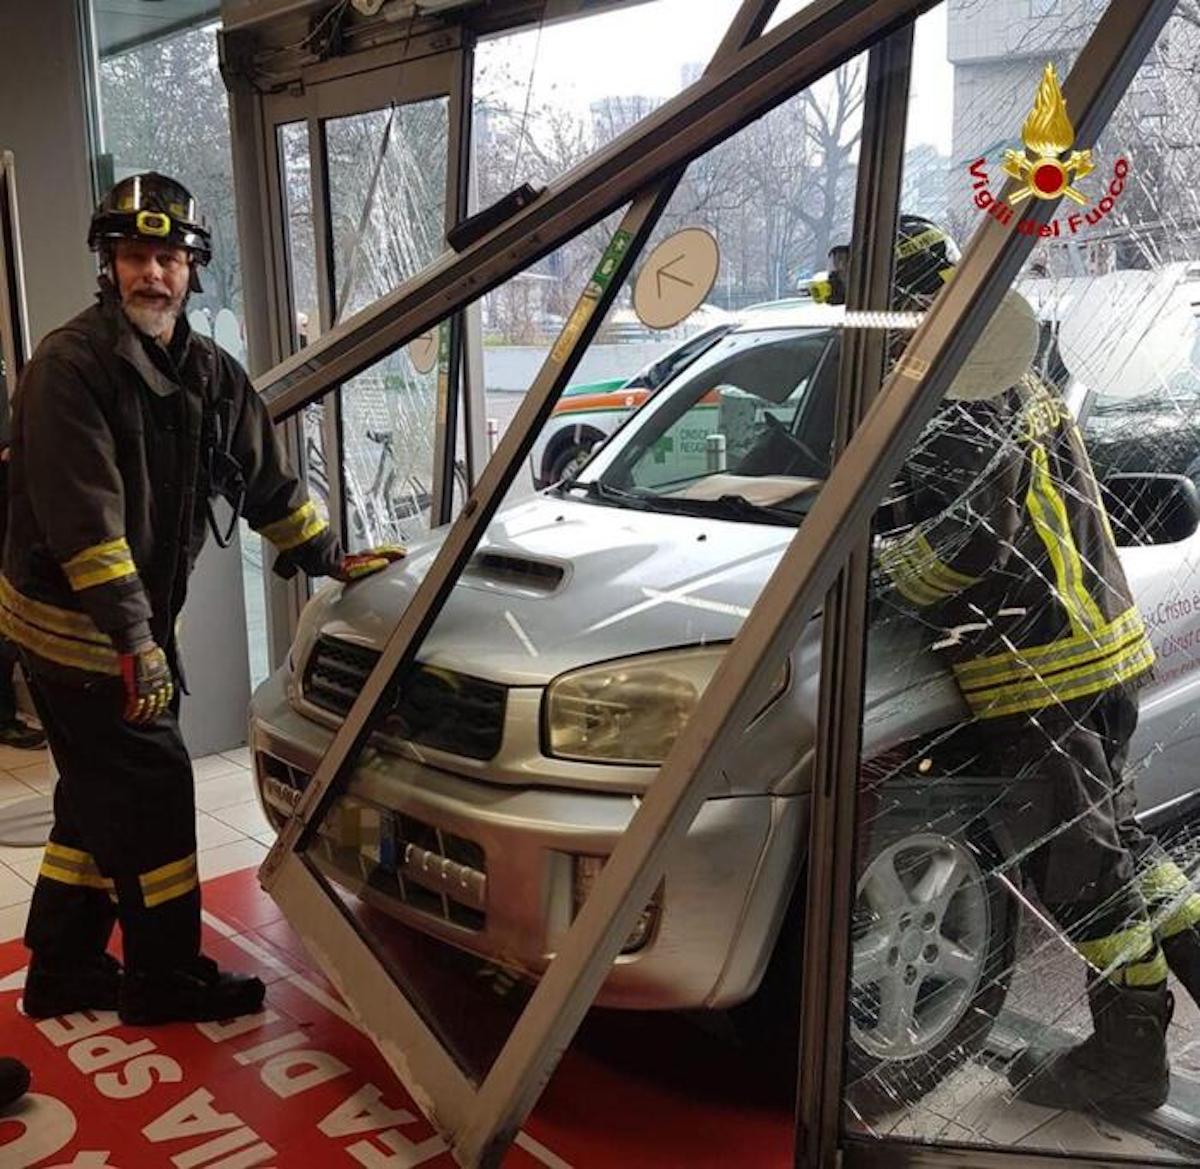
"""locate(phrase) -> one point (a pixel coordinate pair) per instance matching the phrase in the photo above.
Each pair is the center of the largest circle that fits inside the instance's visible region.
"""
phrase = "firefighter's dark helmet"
(151, 207)
(925, 258)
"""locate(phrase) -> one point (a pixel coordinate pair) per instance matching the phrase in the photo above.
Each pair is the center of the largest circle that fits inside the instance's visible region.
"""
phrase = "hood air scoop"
(515, 574)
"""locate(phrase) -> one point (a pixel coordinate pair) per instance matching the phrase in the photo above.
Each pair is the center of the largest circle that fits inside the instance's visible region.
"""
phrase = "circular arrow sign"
(423, 351)
(676, 278)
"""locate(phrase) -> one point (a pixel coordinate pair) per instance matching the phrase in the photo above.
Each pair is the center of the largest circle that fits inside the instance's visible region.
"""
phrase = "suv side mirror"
(1151, 508)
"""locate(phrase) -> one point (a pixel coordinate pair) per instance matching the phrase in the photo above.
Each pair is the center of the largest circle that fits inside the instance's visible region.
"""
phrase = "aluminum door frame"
(14, 314)
(828, 891)
(425, 67)
(430, 69)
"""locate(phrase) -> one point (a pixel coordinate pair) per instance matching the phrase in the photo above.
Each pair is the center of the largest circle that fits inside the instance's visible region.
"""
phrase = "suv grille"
(436, 708)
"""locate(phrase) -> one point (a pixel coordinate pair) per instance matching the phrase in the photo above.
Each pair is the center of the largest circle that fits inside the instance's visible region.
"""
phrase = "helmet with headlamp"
(152, 208)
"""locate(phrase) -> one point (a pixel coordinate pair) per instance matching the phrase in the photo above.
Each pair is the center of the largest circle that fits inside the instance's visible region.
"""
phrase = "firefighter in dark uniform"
(1005, 553)
(126, 426)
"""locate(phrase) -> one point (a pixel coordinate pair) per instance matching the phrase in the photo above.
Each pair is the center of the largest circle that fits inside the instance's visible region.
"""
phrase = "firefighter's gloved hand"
(148, 686)
(355, 565)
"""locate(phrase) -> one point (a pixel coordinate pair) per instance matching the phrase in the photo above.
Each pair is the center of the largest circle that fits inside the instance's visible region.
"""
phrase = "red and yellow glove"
(356, 565)
(148, 686)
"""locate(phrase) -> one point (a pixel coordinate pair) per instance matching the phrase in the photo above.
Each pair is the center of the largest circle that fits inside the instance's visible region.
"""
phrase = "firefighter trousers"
(123, 845)
(1069, 814)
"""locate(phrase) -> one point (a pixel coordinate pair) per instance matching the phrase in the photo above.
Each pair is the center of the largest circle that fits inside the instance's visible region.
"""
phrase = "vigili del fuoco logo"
(1048, 167)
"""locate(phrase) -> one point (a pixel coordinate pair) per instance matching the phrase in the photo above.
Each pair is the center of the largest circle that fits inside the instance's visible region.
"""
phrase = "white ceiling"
(121, 24)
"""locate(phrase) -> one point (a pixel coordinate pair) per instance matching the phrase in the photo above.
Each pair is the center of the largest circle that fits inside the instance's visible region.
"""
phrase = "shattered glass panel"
(387, 194)
(1026, 925)
(508, 762)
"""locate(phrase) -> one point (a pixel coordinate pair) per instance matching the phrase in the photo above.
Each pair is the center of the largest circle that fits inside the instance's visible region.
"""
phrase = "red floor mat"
(301, 1087)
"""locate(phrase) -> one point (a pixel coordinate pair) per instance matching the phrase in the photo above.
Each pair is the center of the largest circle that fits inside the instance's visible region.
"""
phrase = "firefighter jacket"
(118, 446)
(1004, 551)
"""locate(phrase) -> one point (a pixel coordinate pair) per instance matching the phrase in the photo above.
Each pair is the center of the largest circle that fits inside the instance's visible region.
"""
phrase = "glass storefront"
(1025, 871)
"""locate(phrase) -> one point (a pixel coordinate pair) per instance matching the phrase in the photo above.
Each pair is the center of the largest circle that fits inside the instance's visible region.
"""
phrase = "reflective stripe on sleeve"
(295, 529)
(100, 564)
(917, 571)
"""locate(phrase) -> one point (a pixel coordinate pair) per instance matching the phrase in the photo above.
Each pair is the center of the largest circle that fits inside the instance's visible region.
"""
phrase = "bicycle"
(385, 512)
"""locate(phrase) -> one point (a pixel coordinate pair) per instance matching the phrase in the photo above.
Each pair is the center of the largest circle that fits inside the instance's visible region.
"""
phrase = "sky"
(642, 50)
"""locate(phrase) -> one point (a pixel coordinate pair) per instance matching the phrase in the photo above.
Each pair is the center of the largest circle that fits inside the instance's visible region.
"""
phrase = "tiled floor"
(974, 1105)
(231, 831)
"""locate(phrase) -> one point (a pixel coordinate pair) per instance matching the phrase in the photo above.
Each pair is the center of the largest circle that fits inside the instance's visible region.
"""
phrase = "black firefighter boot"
(14, 1081)
(1121, 1066)
(195, 992)
(1182, 952)
(89, 983)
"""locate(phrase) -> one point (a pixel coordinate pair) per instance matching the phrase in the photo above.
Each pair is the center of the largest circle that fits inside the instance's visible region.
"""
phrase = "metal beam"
(829, 890)
(743, 681)
(797, 53)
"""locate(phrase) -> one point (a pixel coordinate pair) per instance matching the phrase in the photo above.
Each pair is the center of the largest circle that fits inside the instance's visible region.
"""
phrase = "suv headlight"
(630, 710)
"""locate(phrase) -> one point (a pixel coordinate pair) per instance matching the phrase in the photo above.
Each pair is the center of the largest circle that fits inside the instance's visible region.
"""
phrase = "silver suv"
(572, 651)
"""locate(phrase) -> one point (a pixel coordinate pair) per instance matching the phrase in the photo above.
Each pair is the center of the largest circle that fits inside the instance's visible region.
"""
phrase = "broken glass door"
(387, 205)
(1026, 879)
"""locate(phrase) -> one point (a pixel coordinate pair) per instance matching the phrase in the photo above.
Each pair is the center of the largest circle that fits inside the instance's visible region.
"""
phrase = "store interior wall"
(43, 122)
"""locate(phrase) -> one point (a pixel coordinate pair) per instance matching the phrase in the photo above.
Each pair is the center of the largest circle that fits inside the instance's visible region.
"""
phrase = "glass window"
(387, 193)
(1025, 903)
(163, 106)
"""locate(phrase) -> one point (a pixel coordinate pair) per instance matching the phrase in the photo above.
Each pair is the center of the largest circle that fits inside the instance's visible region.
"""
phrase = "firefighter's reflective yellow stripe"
(1130, 957)
(66, 622)
(1149, 972)
(1078, 650)
(295, 529)
(1049, 514)
(1174, 902)
(72, 867)
(918, 573)
(100, 564)
(168, 882)
(1123, 663)
(81, 653)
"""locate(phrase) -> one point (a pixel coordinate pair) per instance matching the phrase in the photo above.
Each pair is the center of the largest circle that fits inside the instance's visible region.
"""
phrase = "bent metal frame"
(750, 74)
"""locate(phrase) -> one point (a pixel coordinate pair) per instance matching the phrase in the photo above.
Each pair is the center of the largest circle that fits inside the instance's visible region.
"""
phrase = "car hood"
(558, 583)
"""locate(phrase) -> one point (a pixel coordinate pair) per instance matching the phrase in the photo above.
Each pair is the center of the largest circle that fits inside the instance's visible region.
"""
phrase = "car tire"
(933, 937)
(983, 909)
(571, 457)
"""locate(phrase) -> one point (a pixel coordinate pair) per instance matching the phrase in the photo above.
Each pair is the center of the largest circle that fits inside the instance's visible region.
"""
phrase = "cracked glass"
(387, 206)
(1025, 935)
(506, 765)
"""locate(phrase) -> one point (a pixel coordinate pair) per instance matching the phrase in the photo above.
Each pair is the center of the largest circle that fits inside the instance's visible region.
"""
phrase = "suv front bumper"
(492, 867)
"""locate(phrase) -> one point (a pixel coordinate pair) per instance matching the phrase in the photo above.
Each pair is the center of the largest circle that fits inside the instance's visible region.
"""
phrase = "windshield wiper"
(595, 489)
(736, 507)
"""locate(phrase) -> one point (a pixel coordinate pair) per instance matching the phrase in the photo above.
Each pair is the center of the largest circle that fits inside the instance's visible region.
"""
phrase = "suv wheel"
(933, 937)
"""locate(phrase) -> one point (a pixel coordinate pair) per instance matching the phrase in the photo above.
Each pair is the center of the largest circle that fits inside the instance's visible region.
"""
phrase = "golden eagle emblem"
(1048, 134)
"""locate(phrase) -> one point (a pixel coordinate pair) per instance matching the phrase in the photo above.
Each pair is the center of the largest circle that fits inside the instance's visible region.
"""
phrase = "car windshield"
(661, 371)
(744, 432)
